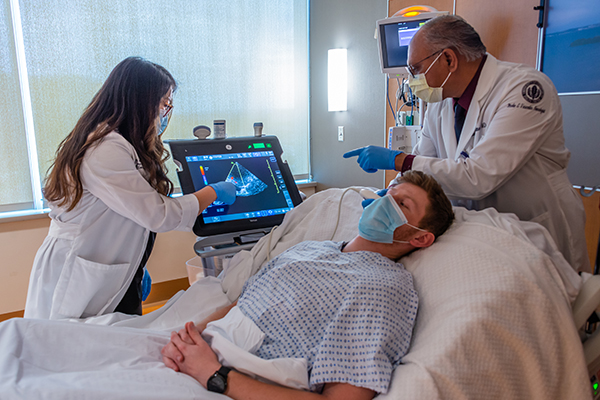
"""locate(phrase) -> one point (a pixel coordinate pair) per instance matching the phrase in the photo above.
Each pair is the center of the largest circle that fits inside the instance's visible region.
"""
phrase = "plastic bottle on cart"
(258, 127)
(219, 129)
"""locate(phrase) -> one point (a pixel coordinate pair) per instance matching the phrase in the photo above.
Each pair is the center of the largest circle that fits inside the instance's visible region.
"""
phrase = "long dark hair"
(128, 102)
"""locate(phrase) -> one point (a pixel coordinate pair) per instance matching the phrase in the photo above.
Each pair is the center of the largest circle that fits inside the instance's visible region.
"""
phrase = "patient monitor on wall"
(395, 33)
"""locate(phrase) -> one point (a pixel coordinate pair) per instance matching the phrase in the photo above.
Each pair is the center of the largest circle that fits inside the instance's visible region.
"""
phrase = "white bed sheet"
(498, 308)
(44, 359)
(494, 320)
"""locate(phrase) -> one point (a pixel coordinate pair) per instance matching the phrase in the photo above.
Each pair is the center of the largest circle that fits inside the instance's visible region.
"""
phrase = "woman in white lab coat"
(108, 193)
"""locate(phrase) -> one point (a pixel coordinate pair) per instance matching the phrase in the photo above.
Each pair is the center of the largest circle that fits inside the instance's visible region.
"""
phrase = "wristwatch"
(218, 381)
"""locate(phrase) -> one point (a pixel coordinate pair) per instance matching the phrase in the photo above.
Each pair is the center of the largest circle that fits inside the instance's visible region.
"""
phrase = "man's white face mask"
(418, 84)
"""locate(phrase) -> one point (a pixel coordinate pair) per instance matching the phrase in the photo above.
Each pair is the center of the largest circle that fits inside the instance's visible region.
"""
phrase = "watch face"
(217, 383)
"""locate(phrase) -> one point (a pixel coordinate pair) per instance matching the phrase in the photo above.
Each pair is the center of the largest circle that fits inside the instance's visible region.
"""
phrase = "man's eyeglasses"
(411, 68)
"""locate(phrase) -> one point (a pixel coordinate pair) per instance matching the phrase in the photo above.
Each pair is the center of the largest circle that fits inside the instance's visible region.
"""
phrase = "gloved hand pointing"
(225, 191)
(372, 158)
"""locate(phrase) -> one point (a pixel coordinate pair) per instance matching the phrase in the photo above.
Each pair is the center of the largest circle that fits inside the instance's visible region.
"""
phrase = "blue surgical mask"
(164, 121)
(380, 219)
(421, 88)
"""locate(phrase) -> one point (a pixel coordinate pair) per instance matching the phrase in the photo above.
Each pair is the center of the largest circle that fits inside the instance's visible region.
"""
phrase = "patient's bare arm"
(200, 362)
(220, 313)
(175, 354)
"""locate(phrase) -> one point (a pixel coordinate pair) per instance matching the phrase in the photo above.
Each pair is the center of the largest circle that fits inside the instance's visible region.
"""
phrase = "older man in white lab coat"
(492, 134)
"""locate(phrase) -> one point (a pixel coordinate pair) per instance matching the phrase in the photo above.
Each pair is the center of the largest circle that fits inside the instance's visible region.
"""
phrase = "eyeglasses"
(168, 108)
(411, 68)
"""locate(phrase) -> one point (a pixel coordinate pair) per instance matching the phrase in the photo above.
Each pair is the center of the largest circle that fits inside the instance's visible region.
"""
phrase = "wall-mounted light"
(413, 11)
(337, 80)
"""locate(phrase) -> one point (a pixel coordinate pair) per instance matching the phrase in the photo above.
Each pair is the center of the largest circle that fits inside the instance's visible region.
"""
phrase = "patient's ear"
(425, 240)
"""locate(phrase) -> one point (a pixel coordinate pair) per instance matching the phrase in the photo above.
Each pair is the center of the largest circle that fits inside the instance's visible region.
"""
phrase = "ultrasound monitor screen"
(265, 186)
(260, 187)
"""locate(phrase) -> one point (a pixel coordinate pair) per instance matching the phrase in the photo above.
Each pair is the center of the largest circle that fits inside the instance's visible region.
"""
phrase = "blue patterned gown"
(351, 315)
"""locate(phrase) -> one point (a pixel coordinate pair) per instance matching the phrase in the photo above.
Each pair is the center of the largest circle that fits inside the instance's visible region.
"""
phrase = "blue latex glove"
(146, 285)
(373, 158)
(225, 191)
(380, 193)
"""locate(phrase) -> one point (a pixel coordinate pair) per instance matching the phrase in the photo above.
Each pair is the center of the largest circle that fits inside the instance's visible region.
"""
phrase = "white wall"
(18, 243)
(346, 24)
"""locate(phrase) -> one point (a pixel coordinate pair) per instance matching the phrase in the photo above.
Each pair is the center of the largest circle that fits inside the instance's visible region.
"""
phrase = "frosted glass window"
(236, 60)
(15, 182)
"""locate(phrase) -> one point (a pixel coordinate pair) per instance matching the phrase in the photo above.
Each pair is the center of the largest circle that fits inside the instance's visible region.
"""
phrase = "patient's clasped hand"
(346, 308)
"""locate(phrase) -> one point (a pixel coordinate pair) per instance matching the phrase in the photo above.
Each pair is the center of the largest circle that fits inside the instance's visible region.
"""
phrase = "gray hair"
(451, 31)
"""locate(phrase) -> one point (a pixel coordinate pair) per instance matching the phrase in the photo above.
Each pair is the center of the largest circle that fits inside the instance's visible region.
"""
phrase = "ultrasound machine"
(265, 190)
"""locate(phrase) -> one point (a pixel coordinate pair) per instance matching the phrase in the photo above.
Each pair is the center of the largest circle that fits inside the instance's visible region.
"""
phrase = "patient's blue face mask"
(380, 219)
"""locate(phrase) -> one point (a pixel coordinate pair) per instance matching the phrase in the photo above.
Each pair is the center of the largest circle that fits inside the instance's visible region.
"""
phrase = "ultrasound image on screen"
(246, 183)
(260, 187)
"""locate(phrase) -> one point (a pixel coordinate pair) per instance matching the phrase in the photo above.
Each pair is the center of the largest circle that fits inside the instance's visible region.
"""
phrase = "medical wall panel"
(582, 137)
(572, 45)
(570, 57)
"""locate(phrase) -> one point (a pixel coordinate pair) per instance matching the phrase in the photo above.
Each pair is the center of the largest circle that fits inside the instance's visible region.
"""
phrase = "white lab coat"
(89, 258)
(511, 154)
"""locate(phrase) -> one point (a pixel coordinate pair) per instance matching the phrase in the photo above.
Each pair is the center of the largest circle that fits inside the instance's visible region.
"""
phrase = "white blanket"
(494, 321)
(44, 359)
(498, 309)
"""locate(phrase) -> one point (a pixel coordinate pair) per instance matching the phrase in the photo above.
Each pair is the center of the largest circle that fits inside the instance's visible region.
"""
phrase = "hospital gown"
(350, 315)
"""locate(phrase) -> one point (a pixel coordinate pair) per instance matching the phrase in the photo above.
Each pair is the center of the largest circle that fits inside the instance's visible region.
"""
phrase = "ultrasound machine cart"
(265, 190)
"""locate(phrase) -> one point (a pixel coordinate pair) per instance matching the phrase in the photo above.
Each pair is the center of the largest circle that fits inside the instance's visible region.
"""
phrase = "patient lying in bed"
(494, 321)
(348, 309)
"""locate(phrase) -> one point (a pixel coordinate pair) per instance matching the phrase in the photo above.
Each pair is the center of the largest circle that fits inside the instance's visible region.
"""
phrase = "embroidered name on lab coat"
(526, 107)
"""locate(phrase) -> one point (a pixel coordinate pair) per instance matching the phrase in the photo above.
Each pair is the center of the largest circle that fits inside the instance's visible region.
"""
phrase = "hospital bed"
(494, 321)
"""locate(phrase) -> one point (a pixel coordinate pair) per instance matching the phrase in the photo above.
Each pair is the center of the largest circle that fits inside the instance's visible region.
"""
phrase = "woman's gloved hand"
(373, 158)
(225, 191)
(380, 193)
(146, 284)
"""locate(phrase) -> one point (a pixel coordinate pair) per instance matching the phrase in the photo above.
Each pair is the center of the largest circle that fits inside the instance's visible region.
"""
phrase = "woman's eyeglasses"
(167, 108)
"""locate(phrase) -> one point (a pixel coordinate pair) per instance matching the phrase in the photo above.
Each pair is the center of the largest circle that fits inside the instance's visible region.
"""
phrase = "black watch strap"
(224, 371)
(218, 381)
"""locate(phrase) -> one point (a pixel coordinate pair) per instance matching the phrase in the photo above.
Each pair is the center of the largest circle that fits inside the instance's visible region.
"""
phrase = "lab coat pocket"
(90, 287)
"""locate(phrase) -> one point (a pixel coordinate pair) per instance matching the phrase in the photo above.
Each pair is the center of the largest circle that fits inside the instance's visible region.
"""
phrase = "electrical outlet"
(340, 133)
